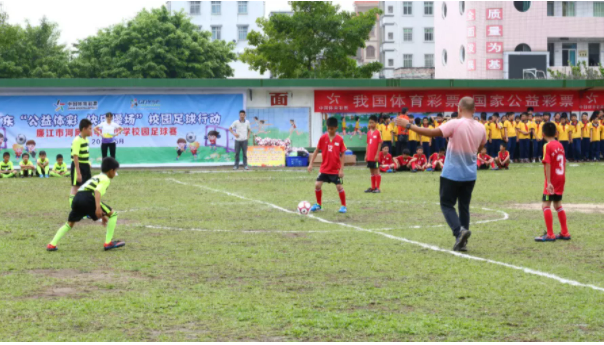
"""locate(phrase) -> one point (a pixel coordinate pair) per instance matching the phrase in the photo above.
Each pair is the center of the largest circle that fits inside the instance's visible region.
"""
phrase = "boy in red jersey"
(403, 163)
(503, 157)
(437, 160)
(554, 162)
(374, 145)
(385, 160)
(332, 150)
(484, 160)
(419, 161)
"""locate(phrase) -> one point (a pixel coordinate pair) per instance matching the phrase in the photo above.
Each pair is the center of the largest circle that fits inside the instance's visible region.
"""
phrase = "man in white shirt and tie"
(241, 130)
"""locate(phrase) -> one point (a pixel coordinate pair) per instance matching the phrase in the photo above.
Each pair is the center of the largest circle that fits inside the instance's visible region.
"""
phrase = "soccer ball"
(191, 137)
(304, 208)
(21, 139)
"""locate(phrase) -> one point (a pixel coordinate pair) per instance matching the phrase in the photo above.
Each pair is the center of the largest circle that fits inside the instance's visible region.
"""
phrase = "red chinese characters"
(278, 99)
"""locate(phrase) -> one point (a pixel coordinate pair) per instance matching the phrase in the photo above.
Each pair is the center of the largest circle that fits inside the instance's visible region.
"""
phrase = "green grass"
(337, 284)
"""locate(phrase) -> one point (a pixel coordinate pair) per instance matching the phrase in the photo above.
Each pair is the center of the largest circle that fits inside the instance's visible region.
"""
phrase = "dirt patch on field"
(295, 234)
(581, 208)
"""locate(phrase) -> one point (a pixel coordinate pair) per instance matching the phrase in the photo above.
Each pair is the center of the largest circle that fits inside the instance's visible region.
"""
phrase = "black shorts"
(84, 170)
(84, 205)
(554, 197)
(372, 165)
(329, 178)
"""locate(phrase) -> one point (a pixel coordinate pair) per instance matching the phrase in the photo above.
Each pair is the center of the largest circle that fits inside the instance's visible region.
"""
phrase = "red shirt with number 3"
(553, 154)
(374, 138)
(330, 153)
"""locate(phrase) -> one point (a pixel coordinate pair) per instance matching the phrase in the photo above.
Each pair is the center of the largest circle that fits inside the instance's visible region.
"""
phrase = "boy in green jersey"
(6, 167)
(60, 168)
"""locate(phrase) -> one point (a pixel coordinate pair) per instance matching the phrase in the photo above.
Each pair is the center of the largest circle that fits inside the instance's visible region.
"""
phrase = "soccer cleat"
(462, 239)
(315, 208)
(564, 238)
(235, 168)
(377, 191)
(51, 248)
(370, 190)
(429, 169)
(545, 238)
(390, 171)
(41, 176)
(463, 249)
(114, 244)
(246, 168)
(414, 170)
(47, 176)
(495, 168)
(343, 209)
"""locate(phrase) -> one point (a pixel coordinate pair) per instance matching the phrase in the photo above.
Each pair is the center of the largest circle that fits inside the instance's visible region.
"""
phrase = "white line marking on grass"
(242, 231)
(419, 244)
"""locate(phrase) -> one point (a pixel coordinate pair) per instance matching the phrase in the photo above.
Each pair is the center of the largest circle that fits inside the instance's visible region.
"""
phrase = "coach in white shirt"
(241, 129)
(108, 130)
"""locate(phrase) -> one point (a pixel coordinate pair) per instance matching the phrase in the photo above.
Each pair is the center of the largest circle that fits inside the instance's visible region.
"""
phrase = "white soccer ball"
(304, 208)
(21, 139)
(191, 137)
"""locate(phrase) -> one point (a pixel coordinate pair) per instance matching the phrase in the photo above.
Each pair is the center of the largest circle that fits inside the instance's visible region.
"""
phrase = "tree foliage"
(32, 52)
(317, 41)
(155, 44)
(580, 71)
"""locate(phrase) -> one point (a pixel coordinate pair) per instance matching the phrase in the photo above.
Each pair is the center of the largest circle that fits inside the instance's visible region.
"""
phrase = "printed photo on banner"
(153, 129)
(281, 123)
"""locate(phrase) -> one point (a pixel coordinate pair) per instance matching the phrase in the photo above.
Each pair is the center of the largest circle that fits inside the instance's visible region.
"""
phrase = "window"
(195, 7)
(550, 8)
(216, 7)
(241, 7)
(242, 32)
(428, 34)
(550, 50)
(444, 10)
(444, 57)
(569, 54)
(370, 52)
(390, 63)
(428, 8)
(522, 48)
(593, 53)
(429, 60)
(522, 6)
(462, 7)
(216, 33)
(462, 54)
(391, 9)
(598, 8)
(407, 60)
(407, 8)
(568, 8)
(391, 36)
(407, 34)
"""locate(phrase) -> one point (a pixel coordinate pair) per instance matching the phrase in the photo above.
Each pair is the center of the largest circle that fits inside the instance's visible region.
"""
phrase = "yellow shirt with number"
(511, 127)
(576, 130)
(525, 126)
(426, 139)
(563, 131)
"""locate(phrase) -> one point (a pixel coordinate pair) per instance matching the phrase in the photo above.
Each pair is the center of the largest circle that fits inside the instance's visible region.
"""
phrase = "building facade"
(407, 39)
(477, 40)
(226, 20)
(371, 51)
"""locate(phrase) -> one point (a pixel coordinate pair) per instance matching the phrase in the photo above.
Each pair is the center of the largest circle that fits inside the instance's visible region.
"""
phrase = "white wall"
(228, 20)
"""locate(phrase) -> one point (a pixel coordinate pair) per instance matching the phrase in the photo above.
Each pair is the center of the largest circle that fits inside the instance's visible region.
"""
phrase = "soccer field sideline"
(401, 239)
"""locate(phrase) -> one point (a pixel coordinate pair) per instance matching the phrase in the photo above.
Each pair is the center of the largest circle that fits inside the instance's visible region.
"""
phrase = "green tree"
(579, 71)
(155, 44)
(317, 41)
(32, 52)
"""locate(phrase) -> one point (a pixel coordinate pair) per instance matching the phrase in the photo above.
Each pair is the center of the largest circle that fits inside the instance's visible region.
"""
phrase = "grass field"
(202, 263)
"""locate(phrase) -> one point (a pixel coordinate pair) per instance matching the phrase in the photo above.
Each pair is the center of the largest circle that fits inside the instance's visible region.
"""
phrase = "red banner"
(352, 101)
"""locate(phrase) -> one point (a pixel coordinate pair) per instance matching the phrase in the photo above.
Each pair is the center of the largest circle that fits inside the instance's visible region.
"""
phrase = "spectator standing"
(241, 129)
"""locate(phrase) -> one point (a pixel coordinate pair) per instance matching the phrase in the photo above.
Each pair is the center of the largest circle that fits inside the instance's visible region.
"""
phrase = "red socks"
(373, 182)
(549, 221)
(378, 181)
(343, 197)
(493, 165)
(319, 195)
(562, 219)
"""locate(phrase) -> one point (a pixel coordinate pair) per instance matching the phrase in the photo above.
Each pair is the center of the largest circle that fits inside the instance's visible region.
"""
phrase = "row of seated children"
(409, 162)
(28, 169)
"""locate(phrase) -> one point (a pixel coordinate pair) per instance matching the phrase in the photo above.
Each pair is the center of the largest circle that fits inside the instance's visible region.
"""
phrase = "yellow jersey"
(385, 131)
(601, 131)
(539, 130)
(585, 132)
(426, 139)
(523, 126)
(594, 130)
(576, 130)
(495, 130)
(413, 136)
(487, 129)
(563, 130)
(511, 127)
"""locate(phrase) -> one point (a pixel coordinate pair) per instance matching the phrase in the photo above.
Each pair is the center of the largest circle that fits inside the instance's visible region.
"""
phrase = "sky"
(80, 19)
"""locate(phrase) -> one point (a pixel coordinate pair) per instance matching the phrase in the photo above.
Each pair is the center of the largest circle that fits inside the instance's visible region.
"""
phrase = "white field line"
(242, 231)
(419, 244)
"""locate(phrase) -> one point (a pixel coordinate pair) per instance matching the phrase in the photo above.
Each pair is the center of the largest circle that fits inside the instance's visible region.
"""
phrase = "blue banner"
(157, 129)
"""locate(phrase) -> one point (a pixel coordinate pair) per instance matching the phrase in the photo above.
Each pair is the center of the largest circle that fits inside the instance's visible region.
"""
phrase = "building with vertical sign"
(516, 39)
(372, 46)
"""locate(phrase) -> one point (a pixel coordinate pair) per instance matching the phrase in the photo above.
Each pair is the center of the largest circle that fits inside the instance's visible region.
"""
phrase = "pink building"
(516, 39)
